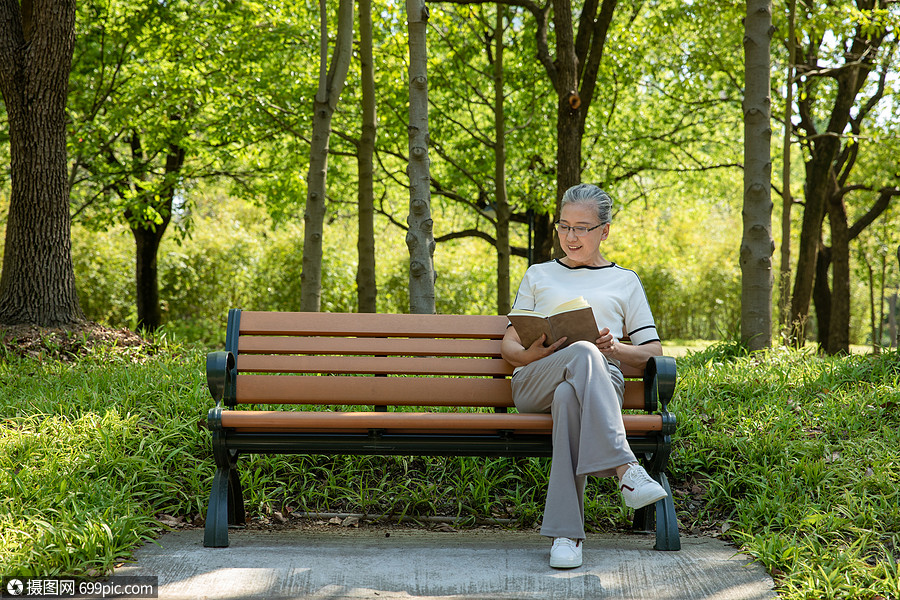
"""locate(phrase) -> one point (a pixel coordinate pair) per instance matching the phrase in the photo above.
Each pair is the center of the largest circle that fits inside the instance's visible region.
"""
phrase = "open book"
(573, 320)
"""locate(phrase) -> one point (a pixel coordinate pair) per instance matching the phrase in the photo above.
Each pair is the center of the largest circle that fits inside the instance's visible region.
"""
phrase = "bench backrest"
(376, 360)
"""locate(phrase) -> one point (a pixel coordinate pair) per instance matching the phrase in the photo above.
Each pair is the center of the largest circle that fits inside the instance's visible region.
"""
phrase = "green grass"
(796, 458)
(90, 451)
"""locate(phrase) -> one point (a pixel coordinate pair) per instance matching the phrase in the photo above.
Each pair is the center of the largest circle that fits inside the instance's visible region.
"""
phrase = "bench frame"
(226, 504)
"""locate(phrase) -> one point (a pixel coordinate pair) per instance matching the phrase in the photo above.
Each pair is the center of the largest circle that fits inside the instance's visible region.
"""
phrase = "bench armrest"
(659, 382)
(220, 374)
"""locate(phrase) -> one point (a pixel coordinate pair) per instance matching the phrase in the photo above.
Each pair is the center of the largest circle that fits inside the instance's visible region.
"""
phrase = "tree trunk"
(821, 168)
(895, 331)
(892, 321)
(757, 245)
(502, 199)
(366, 284)
(146, 241)
(821, 295)
(874, 323)
(420, 236)
(568, 150)
(331, 82)
(543, 238)
(573, 73)
(568, 120)
(810, 236)
(147, 238)
(37, 285)
(787, 199)
(838, 334)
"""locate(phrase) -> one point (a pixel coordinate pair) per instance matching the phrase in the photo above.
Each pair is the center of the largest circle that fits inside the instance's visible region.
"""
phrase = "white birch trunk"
(420, 236)
(757, 245)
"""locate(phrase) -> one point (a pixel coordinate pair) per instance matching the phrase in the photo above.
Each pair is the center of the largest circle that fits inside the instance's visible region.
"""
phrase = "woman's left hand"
(607, 343)
(636, 356)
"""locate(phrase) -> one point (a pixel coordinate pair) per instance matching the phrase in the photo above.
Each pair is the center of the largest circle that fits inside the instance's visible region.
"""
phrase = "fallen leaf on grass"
(170, 521)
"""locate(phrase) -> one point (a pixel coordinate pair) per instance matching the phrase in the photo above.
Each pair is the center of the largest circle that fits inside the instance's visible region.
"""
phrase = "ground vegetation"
(789, 455)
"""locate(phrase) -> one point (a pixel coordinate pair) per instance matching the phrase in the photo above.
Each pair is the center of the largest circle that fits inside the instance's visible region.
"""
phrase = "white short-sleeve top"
(615, 294)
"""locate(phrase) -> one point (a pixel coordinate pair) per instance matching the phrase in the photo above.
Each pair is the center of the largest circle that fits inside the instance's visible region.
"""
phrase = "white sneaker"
(639, 489)
(565, 553)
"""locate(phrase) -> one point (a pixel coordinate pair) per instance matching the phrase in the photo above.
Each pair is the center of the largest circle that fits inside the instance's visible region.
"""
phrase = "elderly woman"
(581, 384)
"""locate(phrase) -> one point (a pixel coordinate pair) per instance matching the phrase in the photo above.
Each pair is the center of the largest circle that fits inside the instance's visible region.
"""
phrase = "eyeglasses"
(563, 230)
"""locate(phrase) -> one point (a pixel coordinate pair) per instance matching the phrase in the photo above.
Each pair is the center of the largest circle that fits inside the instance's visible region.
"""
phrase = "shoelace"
(639, 476)
(572, 544)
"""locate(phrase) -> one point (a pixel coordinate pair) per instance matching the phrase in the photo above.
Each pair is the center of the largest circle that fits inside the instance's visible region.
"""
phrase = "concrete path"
(394, 564)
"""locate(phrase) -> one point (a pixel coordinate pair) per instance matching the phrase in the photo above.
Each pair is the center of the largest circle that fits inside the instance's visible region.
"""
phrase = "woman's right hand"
(518, 355)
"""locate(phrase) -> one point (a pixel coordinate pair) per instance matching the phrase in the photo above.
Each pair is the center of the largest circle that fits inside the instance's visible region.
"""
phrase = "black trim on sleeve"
(631, 333)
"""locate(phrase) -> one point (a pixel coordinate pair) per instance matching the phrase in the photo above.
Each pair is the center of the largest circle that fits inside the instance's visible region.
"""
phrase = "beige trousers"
(584, 395)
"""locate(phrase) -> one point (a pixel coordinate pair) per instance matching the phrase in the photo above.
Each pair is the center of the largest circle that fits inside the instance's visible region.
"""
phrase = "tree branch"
(465, 234)
(541, 14)
(884, 199)
(588, 79)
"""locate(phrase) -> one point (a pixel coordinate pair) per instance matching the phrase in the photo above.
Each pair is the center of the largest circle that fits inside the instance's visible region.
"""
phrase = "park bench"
(405, 385)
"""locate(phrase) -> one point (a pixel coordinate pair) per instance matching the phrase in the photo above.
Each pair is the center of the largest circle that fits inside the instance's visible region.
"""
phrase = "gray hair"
(586, 193)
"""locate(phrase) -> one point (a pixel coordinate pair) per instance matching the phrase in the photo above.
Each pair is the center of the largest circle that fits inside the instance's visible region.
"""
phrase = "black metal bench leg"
(660, 517)
(645, 518)
(226, 500)
(667, 537)
(215, 534)
(235, 497)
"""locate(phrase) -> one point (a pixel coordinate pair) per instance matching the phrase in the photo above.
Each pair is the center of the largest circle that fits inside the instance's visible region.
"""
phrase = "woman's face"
(582, 249)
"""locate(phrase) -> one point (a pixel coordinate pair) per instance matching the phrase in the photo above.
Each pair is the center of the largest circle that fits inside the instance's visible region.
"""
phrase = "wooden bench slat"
(392, 391)
(373, 325)
(374, 365)
(247, 420)
(343, 346)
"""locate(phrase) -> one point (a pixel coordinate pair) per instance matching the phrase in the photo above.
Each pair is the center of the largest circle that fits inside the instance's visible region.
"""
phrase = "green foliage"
(667, 98)
(104, 268)
(462, 126)
(675, 248)
(230, 85)
(208, 79)
(237, 257)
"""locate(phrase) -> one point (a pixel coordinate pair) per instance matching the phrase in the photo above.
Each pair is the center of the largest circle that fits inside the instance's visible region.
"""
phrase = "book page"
(573, 304)
(525, 312)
